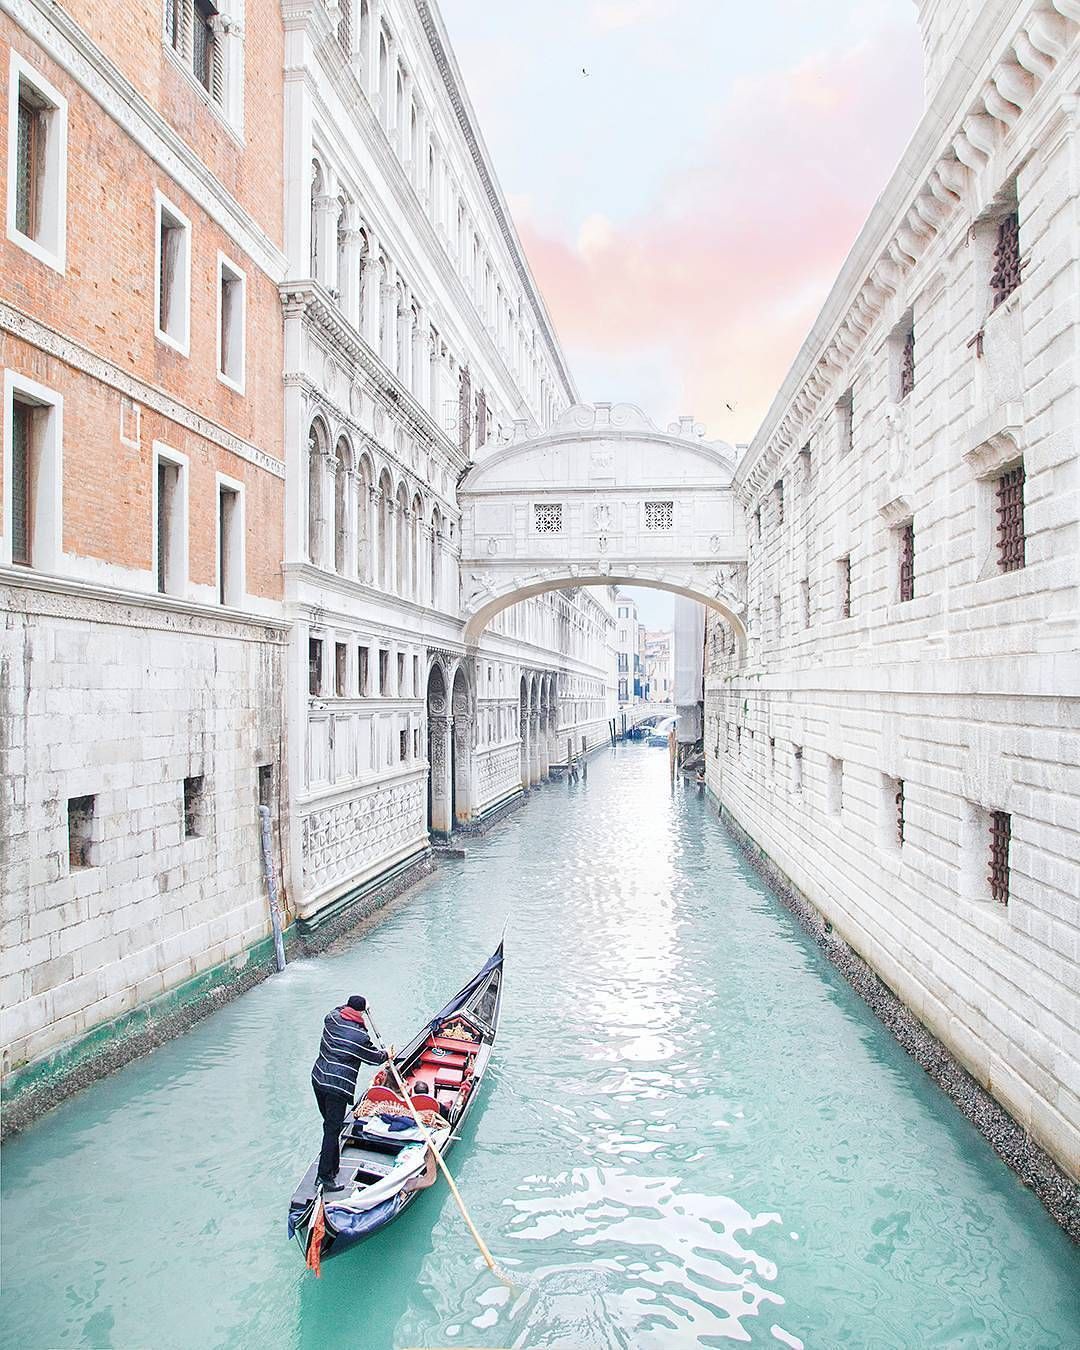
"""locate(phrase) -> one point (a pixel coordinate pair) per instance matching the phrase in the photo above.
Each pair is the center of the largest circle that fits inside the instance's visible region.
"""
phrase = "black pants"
(333, 1109)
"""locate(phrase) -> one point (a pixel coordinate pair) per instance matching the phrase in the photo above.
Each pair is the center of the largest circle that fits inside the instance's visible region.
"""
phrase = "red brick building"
(143, 484)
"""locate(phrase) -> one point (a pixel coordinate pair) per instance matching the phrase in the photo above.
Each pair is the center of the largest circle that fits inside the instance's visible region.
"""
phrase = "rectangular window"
(173, 264)
(778, 490)
(266, 785)
(170, 522)
(416, 689)
(906, 371)
(1009, 509)
(315, 658)
(845, 422)
(796, 769)
(384, 674)
(772, 754)
(659, 515)
(401, 690)
(777, 624)
(22, 482)
(804, 592)
(1000, 839)
(547, 517)
(843, 587)
(232, 305)
(230, 545)
(341, 667)
(403, 746)
(193, 807)
(416, 743)
(1005, 277)
(806, 463)
(362, 671)
(898, 803)
(906, 542)
(80, 815)
(37, 165)
(834, 785)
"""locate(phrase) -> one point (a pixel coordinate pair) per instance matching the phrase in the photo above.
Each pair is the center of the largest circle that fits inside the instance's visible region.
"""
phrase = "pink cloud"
(730, 266)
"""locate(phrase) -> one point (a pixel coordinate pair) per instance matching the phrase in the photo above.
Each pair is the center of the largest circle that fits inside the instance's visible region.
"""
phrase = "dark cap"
(357, 1003)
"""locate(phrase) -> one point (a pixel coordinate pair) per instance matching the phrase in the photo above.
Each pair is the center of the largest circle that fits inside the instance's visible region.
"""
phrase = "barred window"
(843, 568)
(344, 27)
(898, 799)
(907, 363)
(1010, 519)
(1007, 265)
(796, 769)
(779, 490)
(807, 461)
(547, 517)
(907, 561)
(659, 515)
(37, 165)
(845, 418)
(1000, 838)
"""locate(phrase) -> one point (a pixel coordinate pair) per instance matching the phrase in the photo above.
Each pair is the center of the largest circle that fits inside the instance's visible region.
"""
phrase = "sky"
(687, 176)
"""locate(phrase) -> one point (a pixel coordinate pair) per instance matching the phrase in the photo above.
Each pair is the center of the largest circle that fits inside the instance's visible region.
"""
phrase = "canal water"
(693, 1134)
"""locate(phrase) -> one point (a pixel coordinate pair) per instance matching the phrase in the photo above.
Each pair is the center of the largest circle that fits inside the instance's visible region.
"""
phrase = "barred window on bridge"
(659, 515)
(547, 517)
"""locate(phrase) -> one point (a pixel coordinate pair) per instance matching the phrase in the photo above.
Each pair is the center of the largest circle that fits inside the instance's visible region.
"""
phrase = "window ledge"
(183, 348)
(995, 441)
(53, 258)
(204, 96)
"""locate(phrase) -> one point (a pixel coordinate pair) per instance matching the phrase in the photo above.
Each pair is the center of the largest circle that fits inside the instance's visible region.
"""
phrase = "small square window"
(548, 517)
(659, 515)
(80, 815)
(193, 807)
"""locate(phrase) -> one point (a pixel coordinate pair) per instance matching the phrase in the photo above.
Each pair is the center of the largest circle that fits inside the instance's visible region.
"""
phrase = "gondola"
(382, 1152)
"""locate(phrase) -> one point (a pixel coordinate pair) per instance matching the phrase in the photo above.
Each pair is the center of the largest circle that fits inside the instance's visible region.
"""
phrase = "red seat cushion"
(463, 1047)
(448, 1077)
(446, 1060)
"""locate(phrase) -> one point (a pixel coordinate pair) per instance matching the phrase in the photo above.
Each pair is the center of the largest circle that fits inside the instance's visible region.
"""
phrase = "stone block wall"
(865, 740)
(121, 702)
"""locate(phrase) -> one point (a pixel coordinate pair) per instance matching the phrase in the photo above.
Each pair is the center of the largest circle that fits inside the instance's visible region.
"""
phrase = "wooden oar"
(484, 1252)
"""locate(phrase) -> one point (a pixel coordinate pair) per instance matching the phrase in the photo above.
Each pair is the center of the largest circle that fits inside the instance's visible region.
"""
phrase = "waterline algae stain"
(693, 1133)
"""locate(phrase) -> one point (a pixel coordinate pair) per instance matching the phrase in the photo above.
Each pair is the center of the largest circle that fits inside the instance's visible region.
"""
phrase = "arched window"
(364, 561)
(416, 544)
(384, 80)
(342, 247)
(316, 444)
(341, 469)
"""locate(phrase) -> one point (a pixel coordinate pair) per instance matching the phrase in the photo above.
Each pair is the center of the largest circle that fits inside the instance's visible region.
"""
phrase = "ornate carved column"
(387, 322)
(439, 768)
(369, 295)
(463, 767)
(349, 275)
(534, 746)
(544, 742)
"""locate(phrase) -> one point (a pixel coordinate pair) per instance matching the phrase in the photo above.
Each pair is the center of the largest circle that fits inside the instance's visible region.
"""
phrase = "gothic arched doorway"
(440, 806)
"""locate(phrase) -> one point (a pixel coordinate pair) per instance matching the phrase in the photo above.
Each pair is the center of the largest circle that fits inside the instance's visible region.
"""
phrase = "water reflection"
(693, 1135)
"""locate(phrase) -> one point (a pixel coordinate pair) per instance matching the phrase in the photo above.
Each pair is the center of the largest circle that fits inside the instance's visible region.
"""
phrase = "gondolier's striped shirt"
(345, 1046)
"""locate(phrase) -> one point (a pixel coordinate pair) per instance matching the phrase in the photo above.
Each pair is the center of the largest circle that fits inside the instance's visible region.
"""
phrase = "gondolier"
(345, 1046)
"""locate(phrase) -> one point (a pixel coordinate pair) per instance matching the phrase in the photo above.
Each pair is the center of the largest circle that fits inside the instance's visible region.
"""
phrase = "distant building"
(656, 657)
(627, 651)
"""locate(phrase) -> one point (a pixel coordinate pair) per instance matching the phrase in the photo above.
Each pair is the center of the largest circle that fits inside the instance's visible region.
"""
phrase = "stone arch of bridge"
(602, 498)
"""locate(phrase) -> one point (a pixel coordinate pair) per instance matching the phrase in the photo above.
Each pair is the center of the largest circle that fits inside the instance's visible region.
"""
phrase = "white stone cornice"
(81, 358)
(960, 133)
(66, 43)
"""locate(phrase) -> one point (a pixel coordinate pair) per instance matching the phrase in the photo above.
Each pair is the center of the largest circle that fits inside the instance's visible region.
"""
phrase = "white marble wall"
(969, 692)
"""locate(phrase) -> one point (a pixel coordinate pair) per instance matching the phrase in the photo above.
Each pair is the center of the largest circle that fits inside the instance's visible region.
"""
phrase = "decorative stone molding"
(80, 358)
(996, 442)
(896, 511)
(1041, 38)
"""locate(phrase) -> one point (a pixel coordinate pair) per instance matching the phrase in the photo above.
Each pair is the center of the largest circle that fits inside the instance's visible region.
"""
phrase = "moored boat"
(383, 1153)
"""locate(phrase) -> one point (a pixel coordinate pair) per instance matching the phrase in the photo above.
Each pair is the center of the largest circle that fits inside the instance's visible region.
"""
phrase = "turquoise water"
(693, 1134)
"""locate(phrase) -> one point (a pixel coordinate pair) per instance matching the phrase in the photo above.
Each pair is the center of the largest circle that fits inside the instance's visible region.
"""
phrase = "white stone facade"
(416, 341)
(885, 751)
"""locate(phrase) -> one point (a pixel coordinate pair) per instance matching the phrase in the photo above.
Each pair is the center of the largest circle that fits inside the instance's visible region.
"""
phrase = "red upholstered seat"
(447, 1060)
(448, 1077)
(422, 1102)
(462, 1047)
(382, 1094)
